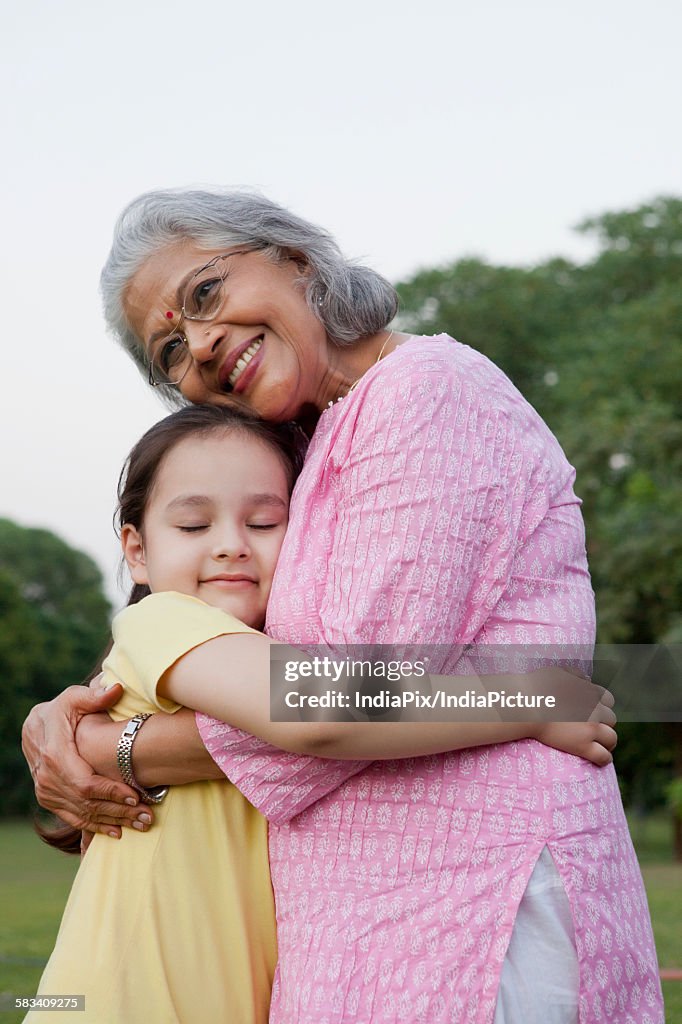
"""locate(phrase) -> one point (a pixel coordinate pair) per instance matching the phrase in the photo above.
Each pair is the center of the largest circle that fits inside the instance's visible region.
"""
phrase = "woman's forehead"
(156, 287)
(166, 267)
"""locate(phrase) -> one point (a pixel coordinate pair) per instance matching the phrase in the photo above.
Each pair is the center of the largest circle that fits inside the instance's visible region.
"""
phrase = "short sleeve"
(150, 636)
(279, 784)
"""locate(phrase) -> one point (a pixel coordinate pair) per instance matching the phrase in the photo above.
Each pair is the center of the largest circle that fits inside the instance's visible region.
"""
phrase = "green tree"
(20, 655)
(597, 348)
(640, 250)
(511, 314)
(54, 621)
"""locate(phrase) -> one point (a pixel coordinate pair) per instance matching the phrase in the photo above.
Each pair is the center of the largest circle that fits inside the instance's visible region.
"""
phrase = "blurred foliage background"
(54, 623)
(597, 349)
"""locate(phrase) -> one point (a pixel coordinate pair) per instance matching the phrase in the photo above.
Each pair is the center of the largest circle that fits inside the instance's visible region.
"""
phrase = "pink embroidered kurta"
(435, 506)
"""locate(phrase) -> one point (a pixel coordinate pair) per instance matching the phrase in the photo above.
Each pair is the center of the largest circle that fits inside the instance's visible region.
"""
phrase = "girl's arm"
(229, 678)
(282, 784)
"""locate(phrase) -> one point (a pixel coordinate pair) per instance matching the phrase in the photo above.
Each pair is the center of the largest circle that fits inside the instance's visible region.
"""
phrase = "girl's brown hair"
(135, 486)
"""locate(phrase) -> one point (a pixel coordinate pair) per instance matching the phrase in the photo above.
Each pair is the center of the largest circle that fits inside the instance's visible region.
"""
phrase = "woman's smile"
(232, 375)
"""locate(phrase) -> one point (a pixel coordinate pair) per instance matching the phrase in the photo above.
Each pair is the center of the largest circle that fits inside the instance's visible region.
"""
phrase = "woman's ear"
(133, 552)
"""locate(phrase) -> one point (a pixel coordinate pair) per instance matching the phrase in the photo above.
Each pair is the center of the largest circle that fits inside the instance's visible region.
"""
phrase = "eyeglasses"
(171, 359)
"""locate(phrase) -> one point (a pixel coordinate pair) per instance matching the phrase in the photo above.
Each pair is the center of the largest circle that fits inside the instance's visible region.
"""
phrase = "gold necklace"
(356, 382)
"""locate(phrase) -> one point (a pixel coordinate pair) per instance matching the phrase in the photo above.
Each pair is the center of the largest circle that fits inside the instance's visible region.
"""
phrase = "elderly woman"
(434, 507)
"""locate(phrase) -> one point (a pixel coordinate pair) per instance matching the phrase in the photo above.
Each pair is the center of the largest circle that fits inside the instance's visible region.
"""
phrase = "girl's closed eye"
(194, 528)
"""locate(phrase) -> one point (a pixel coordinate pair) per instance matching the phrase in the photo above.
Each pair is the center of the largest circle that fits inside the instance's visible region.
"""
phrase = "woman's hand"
(66, 784)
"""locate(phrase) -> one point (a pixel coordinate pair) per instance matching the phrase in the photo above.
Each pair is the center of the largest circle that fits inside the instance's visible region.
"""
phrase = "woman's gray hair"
(351, 301)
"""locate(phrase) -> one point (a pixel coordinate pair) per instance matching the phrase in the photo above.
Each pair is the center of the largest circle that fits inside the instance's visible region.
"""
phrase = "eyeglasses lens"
(171, 360)
(204, 294)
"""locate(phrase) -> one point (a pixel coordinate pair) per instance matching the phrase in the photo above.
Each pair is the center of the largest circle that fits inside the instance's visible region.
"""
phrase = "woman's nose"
(203, 339)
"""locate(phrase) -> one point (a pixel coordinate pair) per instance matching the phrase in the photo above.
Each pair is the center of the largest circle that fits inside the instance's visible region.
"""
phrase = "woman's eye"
(204, 296)
(171, 353)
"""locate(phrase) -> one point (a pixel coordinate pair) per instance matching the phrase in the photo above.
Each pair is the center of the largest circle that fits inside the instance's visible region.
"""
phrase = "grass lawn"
(652, 837)
(34, 882)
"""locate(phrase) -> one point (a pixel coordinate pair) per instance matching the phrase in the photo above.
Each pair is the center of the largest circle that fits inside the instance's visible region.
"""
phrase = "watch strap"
(124, 759)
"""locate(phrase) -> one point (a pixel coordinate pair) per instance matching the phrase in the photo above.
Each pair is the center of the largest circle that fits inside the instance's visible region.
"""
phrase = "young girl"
(177, 924)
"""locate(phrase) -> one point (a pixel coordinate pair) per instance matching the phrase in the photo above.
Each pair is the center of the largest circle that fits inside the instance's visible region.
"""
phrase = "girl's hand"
(594, 740)
(66, 784)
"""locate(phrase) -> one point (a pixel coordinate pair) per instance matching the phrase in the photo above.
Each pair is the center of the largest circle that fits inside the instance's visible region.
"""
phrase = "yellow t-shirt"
(175, 925)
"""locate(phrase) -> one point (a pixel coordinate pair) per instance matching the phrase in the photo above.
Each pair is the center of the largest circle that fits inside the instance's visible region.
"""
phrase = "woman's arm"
(70, 746)
(71, 751)
(168, 749)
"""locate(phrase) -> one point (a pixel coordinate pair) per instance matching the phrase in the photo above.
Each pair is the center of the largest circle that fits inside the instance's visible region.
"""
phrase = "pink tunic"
(436, 506)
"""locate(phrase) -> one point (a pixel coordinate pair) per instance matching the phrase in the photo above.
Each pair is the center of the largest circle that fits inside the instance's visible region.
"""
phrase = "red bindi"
(170, 314)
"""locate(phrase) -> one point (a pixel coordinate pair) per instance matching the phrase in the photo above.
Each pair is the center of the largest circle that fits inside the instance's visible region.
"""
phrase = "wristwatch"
(124, 759)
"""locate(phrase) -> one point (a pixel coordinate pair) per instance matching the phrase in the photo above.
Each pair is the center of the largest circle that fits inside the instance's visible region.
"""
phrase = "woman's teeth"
(244, 360)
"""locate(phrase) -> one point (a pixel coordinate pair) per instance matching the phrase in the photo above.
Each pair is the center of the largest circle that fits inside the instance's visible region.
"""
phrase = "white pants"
(539, 980)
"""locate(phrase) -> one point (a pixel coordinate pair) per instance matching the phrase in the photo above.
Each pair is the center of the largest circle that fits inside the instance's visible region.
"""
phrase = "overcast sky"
(418, 133)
